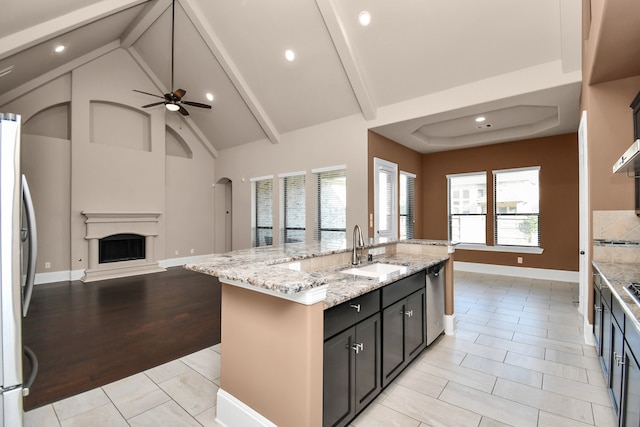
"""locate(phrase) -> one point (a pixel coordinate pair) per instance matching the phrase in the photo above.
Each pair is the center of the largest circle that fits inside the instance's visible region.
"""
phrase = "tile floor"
(517, 359)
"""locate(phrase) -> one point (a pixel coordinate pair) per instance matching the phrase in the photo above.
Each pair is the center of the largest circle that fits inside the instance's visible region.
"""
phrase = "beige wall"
(341, 142)
(105, 168)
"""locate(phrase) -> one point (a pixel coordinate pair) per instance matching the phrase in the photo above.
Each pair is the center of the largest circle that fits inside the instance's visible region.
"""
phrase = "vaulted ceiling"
(419, 73)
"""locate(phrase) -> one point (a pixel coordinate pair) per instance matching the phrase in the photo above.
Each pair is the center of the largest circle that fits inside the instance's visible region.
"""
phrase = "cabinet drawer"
(402, 288)
(349, 313)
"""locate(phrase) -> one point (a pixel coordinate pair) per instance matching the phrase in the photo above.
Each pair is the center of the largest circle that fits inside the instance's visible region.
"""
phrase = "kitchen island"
(273, 303)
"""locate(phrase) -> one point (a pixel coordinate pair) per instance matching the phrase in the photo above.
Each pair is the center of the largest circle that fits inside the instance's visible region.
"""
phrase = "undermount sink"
(375, 270)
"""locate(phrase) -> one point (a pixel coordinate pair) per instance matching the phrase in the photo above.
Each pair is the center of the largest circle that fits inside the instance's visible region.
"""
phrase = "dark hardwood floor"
(86, 335)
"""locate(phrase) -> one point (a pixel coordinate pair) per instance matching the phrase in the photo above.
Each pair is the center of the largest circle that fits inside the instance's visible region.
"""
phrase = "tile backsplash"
(616, 236)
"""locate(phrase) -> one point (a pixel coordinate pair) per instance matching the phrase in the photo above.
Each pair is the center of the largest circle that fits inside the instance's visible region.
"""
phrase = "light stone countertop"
(618, 276)
(272, 267)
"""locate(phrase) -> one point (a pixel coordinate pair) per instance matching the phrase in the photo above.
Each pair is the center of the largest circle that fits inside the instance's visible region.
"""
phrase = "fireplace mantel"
(104, 224)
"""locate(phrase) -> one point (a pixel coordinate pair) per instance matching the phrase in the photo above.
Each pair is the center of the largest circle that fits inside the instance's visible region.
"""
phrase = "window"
(467, 207)
(262, 209)
(406, 205)
(292, 208)
(517, 207)
(385, 198)
(331, 204)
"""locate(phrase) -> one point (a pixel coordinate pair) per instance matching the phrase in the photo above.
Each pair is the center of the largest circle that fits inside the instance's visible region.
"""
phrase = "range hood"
(629, 162)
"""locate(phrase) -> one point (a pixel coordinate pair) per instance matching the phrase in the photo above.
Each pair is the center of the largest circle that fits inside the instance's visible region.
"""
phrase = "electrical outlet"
(177, 252)
(193, 251)
(519, 260)
(47, 265)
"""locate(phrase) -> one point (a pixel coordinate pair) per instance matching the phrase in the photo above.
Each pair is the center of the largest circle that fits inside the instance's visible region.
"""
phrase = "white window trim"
(329, 169)
(288, 174)
(503, 248)
(261, 178)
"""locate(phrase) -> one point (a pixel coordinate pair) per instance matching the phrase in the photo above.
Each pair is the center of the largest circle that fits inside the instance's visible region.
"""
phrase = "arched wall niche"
(119, 125)
(53, 121)
(175, 145)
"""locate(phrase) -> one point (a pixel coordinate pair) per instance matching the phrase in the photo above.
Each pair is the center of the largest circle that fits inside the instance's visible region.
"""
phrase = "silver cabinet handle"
(356, 306)
(619, 359)
(408, 313)
(597, 308)
(357, 347)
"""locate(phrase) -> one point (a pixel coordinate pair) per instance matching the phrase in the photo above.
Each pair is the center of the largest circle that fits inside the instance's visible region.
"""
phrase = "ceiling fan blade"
(147, 93)
(179, 93)
(153, 105)
(196, 104)
(183, 111)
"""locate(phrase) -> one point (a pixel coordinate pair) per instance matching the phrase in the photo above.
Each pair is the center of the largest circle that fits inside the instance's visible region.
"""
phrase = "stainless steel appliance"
(17, 240)
(435, 302)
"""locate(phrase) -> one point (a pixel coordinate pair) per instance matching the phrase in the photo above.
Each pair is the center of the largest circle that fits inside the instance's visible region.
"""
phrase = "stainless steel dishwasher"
(435, 301)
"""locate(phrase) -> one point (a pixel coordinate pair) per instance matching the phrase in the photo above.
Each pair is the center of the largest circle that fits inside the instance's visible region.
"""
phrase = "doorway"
(223, 216)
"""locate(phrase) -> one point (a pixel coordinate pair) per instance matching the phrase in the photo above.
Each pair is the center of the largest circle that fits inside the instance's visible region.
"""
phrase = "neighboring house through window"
(467, 195)
(517, 207)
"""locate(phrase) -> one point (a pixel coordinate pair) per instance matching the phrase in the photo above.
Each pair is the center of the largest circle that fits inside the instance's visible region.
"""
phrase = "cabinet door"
(393, 351)
(617, 364)
(368, 361)
(339, 379)
(605, 356)
(416, 326)
(597, 318)
(631, 391)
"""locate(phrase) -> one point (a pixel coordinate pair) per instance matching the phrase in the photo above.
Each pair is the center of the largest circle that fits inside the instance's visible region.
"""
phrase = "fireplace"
(120, 247)
(121, 244)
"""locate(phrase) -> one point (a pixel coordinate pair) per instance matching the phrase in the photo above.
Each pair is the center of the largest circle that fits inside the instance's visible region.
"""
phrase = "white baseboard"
(176, 262)
(58, 276)
(231, 412)
(71, 275)
(526, 272)
(450, 324)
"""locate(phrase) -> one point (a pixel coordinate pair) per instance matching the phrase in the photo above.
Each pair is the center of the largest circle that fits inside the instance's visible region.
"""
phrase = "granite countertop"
(618, 276)
(268, 267)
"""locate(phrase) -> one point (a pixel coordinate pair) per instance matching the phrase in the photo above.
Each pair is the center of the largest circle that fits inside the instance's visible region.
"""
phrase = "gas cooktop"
(634, 290)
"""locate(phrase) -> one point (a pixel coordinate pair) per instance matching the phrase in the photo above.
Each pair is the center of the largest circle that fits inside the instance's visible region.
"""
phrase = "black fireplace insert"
(121, 247)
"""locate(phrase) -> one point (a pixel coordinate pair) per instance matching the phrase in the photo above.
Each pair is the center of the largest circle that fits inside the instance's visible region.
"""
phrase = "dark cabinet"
(404, 333)
(617, 342)
(351, 359)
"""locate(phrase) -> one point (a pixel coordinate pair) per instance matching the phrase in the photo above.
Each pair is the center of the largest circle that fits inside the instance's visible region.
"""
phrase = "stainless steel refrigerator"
(17, 272)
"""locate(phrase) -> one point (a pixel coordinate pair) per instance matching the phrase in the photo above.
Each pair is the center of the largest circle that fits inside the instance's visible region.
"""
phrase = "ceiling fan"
(173, 101)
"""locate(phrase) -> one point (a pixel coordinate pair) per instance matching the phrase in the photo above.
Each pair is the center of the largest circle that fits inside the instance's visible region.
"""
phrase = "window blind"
(293, 209)
(262, 212)
(407, 212)
(331, 205)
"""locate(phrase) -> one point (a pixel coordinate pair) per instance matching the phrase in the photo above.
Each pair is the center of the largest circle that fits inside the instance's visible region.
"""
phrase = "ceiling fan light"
(172, 107)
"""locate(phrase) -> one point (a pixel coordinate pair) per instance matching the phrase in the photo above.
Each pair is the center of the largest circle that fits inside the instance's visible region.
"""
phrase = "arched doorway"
(224, 215)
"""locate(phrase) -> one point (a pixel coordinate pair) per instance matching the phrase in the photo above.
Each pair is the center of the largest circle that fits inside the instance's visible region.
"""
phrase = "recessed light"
(58, 48)
(209, 96)
(364, 18)
(480, 119)
(290, 55)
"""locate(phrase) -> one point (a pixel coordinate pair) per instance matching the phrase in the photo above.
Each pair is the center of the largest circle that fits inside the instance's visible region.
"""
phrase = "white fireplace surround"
(104, 224)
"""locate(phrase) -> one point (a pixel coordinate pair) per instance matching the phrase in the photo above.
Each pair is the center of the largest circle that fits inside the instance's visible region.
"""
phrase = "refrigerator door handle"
(34, 370)
(33, 246)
